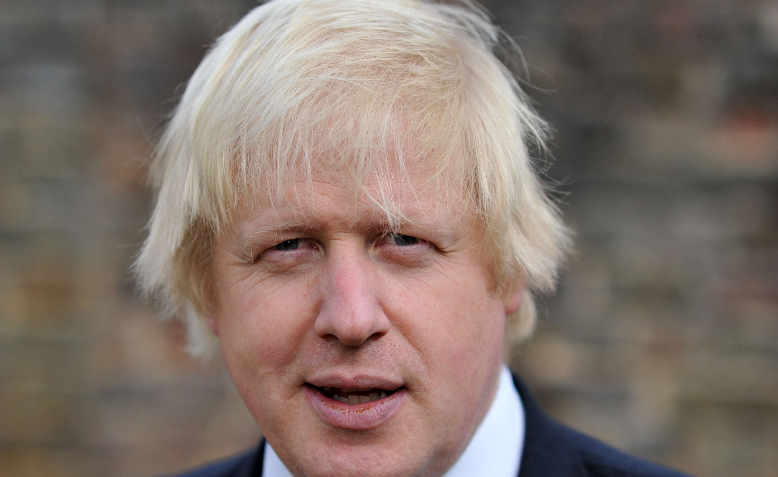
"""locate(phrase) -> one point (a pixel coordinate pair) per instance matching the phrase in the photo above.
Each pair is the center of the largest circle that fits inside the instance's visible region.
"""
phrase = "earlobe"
(514, 294)
(213, 324)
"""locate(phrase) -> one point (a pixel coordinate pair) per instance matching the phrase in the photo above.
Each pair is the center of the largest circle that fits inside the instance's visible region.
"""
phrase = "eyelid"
(408, 248)
(397, 235)
(255, 255)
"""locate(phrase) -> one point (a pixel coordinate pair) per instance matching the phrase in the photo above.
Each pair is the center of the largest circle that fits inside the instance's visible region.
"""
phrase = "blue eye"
(287, 245)
(403, 240)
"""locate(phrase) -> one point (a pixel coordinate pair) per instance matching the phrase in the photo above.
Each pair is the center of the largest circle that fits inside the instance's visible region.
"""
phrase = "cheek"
(462, 350)
(476, 330)
(456, 325)
(260, 328)
(463, 311)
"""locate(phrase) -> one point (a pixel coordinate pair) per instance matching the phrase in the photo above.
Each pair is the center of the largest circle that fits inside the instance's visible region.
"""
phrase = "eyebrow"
(263, 227)
(276, 224)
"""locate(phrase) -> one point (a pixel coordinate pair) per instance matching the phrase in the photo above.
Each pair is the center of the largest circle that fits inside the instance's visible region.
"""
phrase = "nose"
(350, 310)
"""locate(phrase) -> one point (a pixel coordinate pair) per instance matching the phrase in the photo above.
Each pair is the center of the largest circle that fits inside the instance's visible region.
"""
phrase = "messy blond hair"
(346, 85)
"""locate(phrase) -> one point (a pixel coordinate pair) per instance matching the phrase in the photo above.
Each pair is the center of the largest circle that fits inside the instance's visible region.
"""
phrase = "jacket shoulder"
(242, 465)
(554, 450)
(602, 460)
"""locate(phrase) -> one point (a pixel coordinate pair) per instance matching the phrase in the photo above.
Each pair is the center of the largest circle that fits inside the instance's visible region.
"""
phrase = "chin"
(338, 457)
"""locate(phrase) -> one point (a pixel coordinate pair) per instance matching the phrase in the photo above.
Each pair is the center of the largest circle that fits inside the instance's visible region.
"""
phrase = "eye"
(404, 250)
(288, 251)
(287, 245)
(399, 239)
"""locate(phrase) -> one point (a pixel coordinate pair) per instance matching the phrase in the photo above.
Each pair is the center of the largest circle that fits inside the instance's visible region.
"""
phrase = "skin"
(317, 290)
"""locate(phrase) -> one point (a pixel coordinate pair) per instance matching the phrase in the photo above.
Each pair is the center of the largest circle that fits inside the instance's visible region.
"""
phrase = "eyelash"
(402, 237)
(298, 242)
(280, 246)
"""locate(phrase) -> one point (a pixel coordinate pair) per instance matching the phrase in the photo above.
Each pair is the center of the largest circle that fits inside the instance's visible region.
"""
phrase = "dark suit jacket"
(550, 450)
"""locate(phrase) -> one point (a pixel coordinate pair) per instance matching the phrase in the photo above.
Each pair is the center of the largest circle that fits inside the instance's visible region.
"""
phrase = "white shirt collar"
(494, 450)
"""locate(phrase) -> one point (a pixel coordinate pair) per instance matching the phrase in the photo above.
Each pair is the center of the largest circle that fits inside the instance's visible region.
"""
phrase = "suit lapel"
(253, 466)
(547, 451)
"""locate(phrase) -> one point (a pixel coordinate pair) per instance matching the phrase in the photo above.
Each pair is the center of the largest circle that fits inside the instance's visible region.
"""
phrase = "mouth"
(356, 408)
(355, 396)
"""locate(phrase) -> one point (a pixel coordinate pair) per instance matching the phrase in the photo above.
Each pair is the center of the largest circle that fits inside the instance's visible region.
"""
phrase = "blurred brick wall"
(90, 382)
(663, 338)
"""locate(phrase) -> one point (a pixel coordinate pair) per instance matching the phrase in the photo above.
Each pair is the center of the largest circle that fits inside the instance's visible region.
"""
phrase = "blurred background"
(662, 339)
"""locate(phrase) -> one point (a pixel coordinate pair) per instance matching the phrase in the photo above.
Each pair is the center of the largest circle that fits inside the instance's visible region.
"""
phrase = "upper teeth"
(359, 398)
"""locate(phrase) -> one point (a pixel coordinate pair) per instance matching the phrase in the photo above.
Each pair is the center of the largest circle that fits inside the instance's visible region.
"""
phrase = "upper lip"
(359, 382)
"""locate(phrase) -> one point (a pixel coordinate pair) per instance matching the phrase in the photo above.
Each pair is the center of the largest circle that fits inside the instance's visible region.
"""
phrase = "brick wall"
(663, 337)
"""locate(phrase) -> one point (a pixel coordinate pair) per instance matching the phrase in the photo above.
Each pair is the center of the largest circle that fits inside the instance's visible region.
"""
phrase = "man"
(347, 206)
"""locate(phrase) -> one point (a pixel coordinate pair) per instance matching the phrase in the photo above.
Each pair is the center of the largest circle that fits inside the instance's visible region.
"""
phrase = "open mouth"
(355, 404)
(355, 396)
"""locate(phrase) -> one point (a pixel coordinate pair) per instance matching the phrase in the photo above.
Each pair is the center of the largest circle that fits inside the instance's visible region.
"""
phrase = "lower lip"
(357, 417)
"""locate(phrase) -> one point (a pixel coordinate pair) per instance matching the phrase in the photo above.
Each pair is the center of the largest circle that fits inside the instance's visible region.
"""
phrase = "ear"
(213, 324)
(209, 293)
(513, 294)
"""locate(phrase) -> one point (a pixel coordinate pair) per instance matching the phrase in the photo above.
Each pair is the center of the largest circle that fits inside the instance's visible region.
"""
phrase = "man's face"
(360, 350)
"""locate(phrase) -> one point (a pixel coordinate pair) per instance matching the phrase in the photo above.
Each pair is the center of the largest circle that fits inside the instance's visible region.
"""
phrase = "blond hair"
(348, 85)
